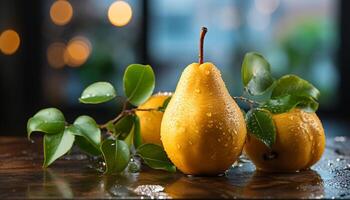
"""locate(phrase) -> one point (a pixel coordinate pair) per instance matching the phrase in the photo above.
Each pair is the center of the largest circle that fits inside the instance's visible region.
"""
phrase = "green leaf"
(129, 139)
(261, 125)
(86, 146)
(116, 154)
(98, 92)
(155, 157)
(123, 126)
(309, 105)
(56, 146)
(72, 129)
(256, 74)
(294, 85)
(89, 136)
(165, 104)
(49, 120)
(139, 83)
(288, 102)
(137, 132)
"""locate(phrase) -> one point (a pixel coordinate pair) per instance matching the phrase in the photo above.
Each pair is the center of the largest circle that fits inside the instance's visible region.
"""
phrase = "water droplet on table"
(152, 191)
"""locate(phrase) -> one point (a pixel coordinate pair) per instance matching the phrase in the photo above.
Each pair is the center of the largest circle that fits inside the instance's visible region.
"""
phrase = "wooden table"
(21, 176)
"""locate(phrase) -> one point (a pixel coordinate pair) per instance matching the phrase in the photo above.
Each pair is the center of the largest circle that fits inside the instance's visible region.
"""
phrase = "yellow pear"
(203, 129)
(150, 120)
(300, 143)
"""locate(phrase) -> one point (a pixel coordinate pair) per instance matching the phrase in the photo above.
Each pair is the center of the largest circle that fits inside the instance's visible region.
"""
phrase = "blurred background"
(50, 50)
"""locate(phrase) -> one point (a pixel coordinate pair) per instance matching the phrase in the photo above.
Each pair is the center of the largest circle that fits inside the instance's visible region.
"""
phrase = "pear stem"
(204, 30)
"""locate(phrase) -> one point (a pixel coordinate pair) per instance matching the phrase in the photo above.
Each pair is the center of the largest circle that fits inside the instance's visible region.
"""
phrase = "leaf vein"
(137, 84)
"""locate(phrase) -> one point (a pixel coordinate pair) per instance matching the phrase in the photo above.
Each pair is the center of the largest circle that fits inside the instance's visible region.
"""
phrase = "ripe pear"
(150, 120)
(203, 129)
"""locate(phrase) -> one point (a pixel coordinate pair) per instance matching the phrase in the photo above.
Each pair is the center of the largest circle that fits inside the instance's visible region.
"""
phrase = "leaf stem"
(125, 112)
(145, 109)
(250, 102)
(121, 114)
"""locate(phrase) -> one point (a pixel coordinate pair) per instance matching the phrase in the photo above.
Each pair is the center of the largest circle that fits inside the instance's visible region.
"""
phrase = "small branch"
(125, 105)
(113, 120)
(116, 118)
(132, 111)
(145, 109)
(127, 112)
(246, 100)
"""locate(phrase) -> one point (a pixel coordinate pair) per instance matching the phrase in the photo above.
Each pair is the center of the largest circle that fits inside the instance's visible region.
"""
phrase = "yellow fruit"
(203, 129)
(300, 142)
(150, 120)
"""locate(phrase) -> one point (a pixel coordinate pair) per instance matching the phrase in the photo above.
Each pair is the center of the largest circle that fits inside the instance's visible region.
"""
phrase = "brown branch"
(127, 112)
(113, 120)
(122, 114)
(132, 111)
(145, 109)
(251, 103)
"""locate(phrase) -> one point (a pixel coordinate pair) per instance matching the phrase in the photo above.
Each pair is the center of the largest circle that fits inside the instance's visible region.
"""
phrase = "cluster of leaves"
(284, 94)
(118, 140)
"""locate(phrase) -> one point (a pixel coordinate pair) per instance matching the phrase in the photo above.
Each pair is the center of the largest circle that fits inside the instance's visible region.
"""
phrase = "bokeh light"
(77, 52)
(120, 13)
(61, 12)
(55, 54)
(9, 42)
(266, 7)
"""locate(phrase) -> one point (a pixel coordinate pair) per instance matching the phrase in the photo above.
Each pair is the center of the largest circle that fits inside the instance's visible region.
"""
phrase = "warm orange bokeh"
(61, 12)
(9, 42)
(120, 13)
(77, 52)
(55, 54)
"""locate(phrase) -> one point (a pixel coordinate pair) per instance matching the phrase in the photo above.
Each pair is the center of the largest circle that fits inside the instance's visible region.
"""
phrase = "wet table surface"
(21, 176)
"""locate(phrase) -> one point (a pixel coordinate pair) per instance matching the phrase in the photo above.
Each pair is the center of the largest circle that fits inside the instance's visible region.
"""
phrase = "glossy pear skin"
(203, 129)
